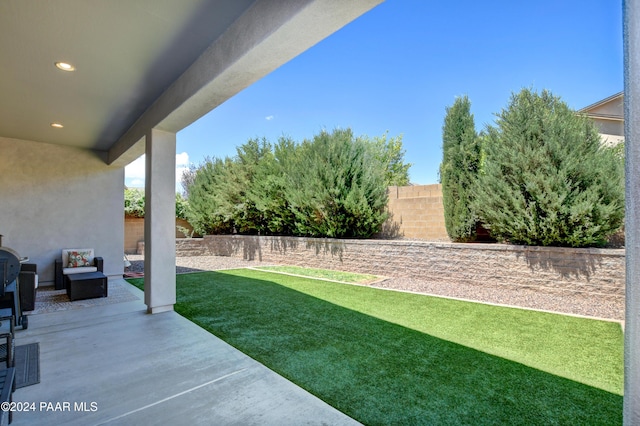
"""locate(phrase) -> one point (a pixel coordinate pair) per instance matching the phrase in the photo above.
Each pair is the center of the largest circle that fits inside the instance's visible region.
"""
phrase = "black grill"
(9, 267)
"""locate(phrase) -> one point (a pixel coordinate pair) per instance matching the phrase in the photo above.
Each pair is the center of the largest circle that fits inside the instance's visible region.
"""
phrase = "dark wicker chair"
(60, 277)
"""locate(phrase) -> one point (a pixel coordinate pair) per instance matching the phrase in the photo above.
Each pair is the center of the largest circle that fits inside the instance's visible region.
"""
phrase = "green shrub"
(226, 196)
(134, 202)
(181, 207)
(208, 209)
(546, 179)
(333, 185)
(339, 189)
(268, 189)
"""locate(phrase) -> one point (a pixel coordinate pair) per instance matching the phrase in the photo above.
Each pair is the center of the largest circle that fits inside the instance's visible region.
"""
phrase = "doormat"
(133, 274)
(27, 364)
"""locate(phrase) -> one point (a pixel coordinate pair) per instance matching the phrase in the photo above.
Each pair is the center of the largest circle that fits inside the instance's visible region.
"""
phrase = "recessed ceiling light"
(65, 66)
(57, 125)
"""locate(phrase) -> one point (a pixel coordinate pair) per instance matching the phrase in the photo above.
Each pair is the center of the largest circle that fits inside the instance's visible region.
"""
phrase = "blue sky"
(396, 69)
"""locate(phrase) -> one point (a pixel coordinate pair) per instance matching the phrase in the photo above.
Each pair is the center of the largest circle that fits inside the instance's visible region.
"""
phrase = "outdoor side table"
(86, 286)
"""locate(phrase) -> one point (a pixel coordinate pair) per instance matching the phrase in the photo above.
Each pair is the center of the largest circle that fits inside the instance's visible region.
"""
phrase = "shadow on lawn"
(378, 372)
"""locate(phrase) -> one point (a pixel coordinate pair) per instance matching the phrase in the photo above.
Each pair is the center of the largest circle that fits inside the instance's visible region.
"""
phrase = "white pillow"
(72, 258)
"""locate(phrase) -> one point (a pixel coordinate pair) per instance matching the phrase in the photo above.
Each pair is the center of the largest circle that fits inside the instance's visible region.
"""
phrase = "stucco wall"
(609, 127)
(416, 212)
(54, 197)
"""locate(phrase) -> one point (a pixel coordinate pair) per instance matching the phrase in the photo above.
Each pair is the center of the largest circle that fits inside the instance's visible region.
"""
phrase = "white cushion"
(65, 255)
(79, 270)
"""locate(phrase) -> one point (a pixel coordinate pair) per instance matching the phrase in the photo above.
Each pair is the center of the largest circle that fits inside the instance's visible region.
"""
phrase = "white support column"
(159, 222)
(631, 406)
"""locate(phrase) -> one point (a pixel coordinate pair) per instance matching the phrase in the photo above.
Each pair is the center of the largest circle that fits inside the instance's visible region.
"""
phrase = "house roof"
(611, 108)
(142, 64)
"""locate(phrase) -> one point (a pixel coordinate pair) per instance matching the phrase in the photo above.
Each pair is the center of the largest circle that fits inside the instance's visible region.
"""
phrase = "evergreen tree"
(546, 179)
(251, 160)
(209, 210)
(268, 188)
(338, 190)
(459, 170)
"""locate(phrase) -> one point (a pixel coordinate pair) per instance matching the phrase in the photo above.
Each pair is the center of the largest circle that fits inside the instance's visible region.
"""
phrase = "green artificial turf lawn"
(345, 277)
(385, 357)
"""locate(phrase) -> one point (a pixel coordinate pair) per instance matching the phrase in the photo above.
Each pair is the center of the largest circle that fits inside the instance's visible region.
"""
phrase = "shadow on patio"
(115, 364)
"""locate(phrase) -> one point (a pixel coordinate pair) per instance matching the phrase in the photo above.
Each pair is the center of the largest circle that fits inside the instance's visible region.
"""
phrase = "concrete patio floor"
(116, 364)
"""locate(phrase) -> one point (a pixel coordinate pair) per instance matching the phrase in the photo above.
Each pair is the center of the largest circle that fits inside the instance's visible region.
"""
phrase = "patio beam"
(631, 405)
(159, 222)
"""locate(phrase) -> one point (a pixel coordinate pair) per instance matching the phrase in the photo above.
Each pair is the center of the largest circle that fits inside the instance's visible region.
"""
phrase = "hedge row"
(333, 185)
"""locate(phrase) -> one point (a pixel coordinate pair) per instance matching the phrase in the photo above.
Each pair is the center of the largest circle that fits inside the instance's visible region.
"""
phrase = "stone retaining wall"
(549, 269)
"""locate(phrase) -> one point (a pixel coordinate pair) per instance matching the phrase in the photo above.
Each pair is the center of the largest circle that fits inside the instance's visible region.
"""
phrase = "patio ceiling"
(142, 64)
(126, 53)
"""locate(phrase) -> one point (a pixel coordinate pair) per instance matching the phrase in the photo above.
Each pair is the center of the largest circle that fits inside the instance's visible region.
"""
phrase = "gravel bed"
(576, 304)
(605, 307)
